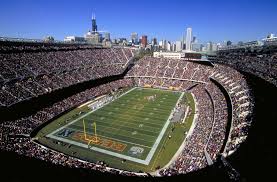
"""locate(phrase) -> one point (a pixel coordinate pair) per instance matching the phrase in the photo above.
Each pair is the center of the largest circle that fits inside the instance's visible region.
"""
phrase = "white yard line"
(102, 150)
(87, 114)
(131, 127)
(183, 145)
(141, 121)
(126, 136)
(116, 139)
(151, 152)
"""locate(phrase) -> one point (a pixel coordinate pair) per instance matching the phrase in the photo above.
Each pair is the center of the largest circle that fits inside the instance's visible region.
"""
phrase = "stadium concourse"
(223, 98)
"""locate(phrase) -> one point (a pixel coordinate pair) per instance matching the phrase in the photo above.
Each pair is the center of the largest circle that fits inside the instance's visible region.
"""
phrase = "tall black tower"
(94, 26)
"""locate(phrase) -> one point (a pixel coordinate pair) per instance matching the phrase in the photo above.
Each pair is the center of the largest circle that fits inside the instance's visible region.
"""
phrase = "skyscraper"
(209, 46)
(94, 26)
(228, 43)
(154, 41)
(163, 44)
(144, 40)
(134, 37)
(194, 40)
(188, 39)
(93, 36)
(178, 46)
(168, 46)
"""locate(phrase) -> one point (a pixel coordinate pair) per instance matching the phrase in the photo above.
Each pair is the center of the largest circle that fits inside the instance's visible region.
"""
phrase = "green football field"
(130, 127)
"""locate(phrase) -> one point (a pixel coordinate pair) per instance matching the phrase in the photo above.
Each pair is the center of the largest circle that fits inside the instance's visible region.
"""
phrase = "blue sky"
(211, 20)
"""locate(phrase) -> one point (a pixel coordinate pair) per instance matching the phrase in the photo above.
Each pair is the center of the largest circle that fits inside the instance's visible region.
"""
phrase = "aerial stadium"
(117, 111)
(130, 116)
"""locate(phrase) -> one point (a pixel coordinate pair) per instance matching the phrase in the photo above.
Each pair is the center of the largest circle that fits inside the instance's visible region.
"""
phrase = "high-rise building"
(134, 38)
(168, 46)
(188, 39)
(209, 47)
(215, 47)
(144, 40)
(161, 43)
(228, 43)
(93, 36)
(194, 40)
(94, 26)
(178, 46)
(154, 41)
(184, 41)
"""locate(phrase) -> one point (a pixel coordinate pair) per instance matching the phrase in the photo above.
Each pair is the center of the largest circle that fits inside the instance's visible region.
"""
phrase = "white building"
(74, 39)
(271, 39)
(209, 47)
(168, 46)
(188, 39)
(171, 55)
(134, 37)
(93, 37)
(214, 47)
(173, 47)
(178, 46)
(164, 45)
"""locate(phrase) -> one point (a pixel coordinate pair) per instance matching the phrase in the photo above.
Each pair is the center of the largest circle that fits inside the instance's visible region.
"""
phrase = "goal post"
(93, 138)
(84, 127)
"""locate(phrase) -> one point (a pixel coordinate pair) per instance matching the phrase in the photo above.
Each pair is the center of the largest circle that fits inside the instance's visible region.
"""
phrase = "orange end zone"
(106, 143)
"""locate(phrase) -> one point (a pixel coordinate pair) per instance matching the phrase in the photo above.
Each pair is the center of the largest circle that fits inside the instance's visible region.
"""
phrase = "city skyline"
(211, 21)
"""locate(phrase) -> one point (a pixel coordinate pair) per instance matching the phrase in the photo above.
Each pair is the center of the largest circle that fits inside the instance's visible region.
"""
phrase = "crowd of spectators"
(212, 118)
(170, 68)
(242, 103)
(15, 135)
(208, 133)
(220, 111)
(8, 46)
(24, 75)
(192, 156)
(261, 63)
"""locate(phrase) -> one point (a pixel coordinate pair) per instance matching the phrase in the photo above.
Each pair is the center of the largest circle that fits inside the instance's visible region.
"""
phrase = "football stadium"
(72, 109)
(147, 116)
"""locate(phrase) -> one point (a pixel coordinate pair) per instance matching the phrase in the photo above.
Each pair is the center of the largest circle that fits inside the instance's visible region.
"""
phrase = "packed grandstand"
(224, 102)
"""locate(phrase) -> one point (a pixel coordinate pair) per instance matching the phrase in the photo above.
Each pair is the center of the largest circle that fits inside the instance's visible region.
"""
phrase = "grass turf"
(125, 120)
